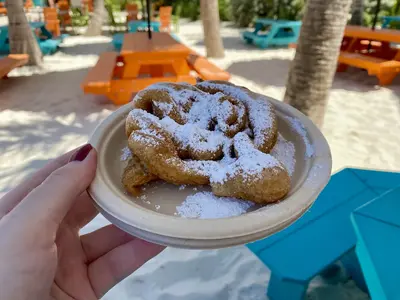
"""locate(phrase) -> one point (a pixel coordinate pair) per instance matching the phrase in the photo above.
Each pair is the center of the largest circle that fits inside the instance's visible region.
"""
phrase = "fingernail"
(82, 153)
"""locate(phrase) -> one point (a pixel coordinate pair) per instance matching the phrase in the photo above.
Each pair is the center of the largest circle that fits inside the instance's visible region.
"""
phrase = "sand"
(45, 115)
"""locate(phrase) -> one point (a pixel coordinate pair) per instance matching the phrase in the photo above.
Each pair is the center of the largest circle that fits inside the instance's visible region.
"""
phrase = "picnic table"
(377, 227)
(281, 33)
(142, 62)
(387, 20)
(324, 235)
(371, 50)
(134, 26)
(10, 62)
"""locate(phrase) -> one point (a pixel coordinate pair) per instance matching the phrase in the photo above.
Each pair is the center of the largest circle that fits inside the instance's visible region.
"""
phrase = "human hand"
(42, 255)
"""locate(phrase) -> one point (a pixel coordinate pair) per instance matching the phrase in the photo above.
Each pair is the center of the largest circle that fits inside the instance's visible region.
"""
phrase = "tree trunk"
(314, 65)
(96, 20)
(20, 34)
(210, 18)
(357, 12)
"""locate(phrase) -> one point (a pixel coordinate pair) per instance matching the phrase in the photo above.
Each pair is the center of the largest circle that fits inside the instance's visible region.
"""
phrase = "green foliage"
(78, 18)
(291, 9)
(388, 8)
(191, 9)
(224, 10)
(243, 12)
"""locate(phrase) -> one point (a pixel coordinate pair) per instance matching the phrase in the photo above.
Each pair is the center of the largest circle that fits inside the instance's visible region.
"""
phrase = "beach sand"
(45, 115)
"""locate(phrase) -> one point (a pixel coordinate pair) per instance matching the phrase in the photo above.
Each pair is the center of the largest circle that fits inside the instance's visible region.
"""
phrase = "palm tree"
(357, 12)
(21, 37)
(212, 37)
(314, 65)
(97, 18)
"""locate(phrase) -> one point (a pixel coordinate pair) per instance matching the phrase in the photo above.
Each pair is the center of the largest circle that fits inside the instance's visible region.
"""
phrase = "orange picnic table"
(371, 50)
(142, 62)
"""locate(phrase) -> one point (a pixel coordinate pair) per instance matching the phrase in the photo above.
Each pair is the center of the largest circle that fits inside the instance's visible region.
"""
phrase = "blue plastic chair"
(322, 236)
(377, 225)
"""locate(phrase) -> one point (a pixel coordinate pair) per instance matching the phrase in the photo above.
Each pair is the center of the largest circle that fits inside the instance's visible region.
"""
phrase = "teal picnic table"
(325, 235)
(134, 26)
(137, 26)
(388, 20)
(377, 226)
(47, 44)
(280, 33)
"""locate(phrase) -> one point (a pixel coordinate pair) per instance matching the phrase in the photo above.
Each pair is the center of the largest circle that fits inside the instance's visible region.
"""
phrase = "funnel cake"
(213, 133)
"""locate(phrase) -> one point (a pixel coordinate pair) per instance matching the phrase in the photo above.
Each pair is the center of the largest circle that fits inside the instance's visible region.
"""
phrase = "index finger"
(13, 197)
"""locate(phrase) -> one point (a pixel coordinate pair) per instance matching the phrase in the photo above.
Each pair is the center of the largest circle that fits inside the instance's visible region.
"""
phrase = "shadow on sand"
(61, 110)
(233, 43)
(274, 72)
(236, 43)
(263, 72)
(86, 49)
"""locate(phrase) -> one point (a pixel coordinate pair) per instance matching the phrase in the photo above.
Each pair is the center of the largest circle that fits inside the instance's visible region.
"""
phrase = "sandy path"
(44, 115)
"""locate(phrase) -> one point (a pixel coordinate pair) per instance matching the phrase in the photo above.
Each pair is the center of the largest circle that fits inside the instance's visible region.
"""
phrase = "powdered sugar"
(164, 106)
(260, 110)
(205, 205)
(284, 151)
(193, 137)
(125, 154)
(250, 164)
(299, 128)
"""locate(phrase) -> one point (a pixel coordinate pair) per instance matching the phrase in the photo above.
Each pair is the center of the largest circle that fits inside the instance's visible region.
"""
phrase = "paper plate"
(153, 216)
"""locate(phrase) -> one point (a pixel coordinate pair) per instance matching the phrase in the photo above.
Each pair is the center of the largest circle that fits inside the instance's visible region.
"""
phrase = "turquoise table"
(281, 33)
(134, 26)
(377, 225)
(47, 45)
(387, 20)
(324, 235)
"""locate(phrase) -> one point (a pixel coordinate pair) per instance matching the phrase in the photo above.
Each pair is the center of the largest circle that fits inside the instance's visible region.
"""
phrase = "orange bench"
(12, 61)
(206, 69)
(384, 70)
(98, 79)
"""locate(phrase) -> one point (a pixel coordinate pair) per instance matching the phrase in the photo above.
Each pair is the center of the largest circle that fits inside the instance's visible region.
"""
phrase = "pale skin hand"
(42, 255)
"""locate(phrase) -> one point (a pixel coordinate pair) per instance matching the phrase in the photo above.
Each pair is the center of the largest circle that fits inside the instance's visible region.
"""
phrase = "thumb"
(48, 203)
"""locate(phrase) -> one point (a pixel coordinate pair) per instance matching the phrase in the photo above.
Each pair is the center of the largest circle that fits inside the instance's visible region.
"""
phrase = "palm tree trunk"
(96, 20)
(357, 12)
(314, 66)
(20, 34)
(212, 37)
